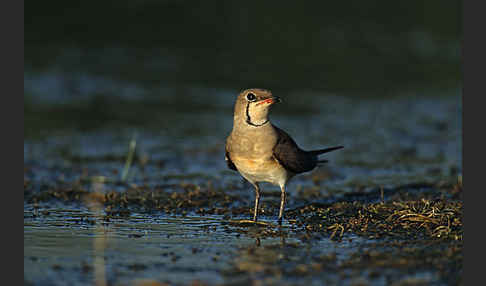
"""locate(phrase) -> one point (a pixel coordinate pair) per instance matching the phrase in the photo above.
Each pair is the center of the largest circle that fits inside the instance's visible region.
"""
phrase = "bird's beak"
(270, 100)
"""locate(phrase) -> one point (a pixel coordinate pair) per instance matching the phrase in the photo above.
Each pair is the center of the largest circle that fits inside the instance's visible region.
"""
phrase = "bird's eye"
(250, 97)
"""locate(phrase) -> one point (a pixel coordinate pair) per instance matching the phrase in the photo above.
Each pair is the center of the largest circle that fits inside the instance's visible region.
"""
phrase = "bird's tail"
(322, 151)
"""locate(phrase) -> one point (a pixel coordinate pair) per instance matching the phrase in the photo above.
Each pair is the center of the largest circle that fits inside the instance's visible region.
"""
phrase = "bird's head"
(252, 106)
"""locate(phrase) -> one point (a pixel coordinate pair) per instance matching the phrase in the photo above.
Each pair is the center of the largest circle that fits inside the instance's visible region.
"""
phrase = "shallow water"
(69, 246)
(158, 247)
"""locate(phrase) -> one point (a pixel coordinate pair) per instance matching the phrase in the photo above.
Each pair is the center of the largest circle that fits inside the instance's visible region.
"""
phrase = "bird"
(262, 152)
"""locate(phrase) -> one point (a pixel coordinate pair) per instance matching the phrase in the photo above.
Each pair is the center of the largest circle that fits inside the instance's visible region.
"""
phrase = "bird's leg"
(282, 204)
(257, 201)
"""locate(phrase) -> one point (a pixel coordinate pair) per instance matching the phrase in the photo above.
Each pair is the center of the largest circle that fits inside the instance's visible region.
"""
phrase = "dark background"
(349, 47)
(137, 63)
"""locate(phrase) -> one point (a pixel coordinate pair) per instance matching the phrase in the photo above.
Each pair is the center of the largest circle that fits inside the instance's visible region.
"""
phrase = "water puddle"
(70, 245)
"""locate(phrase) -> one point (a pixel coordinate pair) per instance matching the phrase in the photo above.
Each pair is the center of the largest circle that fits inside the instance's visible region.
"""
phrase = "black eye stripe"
(251, 97)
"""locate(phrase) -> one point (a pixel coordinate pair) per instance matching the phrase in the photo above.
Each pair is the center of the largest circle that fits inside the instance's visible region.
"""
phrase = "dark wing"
(227, 158)
(289, 155)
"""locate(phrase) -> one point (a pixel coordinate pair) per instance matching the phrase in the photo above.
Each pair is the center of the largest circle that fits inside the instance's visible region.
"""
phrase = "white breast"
(258, 170)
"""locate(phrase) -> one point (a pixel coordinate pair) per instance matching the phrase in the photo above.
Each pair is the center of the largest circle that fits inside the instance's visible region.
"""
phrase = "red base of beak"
(268, 101)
